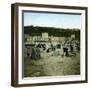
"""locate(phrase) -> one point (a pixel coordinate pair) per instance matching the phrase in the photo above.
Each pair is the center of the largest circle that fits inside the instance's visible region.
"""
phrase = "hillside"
(52, 31)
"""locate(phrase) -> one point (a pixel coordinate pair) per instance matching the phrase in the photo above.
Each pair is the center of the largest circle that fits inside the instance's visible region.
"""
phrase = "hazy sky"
(52, 20)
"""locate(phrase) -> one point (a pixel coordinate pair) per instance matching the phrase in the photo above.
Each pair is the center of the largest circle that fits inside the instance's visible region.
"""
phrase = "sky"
(52, 20)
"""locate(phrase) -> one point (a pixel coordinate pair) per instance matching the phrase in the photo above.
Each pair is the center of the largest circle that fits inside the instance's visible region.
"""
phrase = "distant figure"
(78, 47)
(52, 47)
(48, 50)
(33, 53)
(44, 47)
(71, 48)
(66, 51)
(38, 53)
(27, 54)
(59, 46)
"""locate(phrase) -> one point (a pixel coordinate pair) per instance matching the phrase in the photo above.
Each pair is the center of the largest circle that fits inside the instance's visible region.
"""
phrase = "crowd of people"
(67, 48)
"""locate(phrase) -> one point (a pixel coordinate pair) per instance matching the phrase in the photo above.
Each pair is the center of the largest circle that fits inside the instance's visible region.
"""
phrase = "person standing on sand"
(64, 49)
(38, 53)
(33, 53)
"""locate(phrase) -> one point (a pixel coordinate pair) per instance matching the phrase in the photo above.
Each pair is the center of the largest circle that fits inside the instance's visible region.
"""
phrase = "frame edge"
(14, 78)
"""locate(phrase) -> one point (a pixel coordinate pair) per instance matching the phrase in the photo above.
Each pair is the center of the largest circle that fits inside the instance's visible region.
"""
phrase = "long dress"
(33, 53)
(38, 55)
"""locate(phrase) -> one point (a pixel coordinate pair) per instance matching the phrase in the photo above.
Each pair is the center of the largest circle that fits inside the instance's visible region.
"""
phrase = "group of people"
(70, 48)
(64, 48)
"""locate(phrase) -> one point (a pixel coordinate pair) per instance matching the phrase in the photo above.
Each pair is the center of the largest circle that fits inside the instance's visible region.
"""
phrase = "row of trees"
(52, 31)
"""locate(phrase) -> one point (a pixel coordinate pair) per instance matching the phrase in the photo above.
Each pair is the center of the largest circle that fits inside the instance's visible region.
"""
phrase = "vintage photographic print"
(51, 44)
(48, 44)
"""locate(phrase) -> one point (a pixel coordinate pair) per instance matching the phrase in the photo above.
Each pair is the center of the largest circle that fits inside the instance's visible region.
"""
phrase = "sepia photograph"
(48, 44)
(51, 44)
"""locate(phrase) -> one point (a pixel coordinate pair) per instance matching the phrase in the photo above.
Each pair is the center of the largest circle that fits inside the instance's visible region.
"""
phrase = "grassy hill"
(52, 31)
